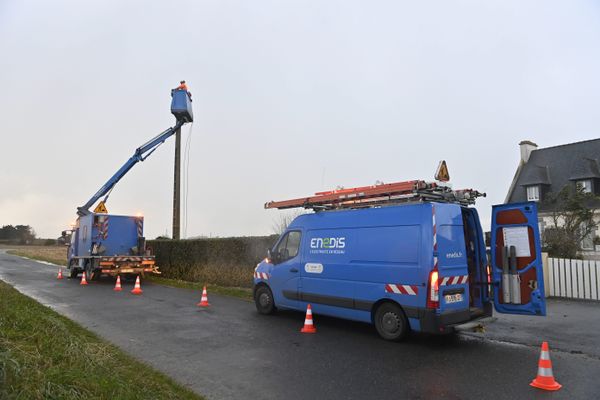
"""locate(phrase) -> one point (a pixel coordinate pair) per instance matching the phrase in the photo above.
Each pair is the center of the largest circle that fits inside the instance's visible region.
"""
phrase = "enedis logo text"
(330, 245)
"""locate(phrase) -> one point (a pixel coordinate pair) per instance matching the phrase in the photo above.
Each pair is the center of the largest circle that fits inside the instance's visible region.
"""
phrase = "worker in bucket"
(183, 86)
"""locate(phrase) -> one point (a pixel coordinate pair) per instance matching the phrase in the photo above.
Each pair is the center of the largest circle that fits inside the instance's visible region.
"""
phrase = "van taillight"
(433, 290)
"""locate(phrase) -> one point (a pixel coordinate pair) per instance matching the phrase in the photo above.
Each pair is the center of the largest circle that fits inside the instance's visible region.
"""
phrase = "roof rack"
(380, 194)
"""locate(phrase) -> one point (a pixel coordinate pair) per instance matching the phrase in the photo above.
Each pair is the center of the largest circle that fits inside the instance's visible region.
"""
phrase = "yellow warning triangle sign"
(441, 174)
(101, 208)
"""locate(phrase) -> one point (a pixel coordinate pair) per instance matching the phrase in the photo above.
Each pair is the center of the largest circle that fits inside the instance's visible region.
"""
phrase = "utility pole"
(177, 186)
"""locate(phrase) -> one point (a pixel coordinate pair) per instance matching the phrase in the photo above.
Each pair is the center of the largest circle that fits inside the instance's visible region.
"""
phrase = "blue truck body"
(117, 234)
(347, 263)
(109, 244)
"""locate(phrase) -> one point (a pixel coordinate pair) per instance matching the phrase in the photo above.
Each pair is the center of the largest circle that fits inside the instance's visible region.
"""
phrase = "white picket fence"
(574, 279)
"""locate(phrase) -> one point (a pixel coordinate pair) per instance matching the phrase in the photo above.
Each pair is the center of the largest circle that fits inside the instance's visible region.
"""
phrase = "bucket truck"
(103, 243)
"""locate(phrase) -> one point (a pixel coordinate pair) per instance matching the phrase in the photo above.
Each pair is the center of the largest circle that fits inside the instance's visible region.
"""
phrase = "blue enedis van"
(420, 267)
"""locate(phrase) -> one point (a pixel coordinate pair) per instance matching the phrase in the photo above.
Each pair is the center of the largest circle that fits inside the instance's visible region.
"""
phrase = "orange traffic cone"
(204, 299)
(545, 378)
(118, 287)
(83, 280)
(308, 322)
(59, 276)
(137, 289)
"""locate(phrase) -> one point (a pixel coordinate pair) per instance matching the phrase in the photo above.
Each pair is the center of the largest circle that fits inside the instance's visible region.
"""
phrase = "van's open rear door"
(516, 260)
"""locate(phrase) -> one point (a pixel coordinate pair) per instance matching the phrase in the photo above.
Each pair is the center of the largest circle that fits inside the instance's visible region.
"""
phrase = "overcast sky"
(290, 97)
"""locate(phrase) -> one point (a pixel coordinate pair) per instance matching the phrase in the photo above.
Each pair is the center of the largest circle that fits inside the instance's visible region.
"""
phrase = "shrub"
(220, 261)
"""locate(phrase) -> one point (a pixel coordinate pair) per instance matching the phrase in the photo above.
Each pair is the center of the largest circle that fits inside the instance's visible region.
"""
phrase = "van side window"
(288, 246)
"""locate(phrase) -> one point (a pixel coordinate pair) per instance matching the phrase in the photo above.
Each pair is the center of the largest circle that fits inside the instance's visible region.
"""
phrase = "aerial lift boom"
(141, 153)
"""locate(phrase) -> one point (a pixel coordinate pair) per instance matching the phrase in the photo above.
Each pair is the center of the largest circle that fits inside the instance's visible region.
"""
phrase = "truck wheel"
(73, 270)
(390, 322)
(263, 298)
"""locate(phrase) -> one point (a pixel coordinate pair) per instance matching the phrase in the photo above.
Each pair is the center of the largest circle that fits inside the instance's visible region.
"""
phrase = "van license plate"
(453, 298)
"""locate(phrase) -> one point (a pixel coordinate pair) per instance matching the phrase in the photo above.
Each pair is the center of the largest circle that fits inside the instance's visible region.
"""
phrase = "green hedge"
(221, 261)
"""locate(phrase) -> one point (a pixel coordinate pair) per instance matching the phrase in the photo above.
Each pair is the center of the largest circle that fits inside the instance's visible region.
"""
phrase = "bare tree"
(284, 219)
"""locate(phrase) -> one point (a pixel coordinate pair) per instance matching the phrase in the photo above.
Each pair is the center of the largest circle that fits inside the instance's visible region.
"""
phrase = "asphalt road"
(230, 352)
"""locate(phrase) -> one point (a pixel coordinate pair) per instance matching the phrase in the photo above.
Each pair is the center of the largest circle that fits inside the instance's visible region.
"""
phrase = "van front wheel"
(390, 322)
(263, 298)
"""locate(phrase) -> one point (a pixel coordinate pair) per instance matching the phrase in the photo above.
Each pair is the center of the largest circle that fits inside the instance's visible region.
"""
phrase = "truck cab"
(418, 266)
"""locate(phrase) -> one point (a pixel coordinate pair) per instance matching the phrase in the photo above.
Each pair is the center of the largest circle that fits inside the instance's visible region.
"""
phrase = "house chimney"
(526, 148)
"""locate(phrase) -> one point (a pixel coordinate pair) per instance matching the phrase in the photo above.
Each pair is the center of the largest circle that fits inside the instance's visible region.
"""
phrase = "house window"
(587, 242)
(533, 193)
(585, 185)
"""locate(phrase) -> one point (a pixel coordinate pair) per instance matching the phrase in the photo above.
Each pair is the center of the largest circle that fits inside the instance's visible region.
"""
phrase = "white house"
(545, 170)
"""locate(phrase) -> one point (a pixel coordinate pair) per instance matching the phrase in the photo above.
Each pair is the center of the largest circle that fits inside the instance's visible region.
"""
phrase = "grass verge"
(242, 293)
(53, 254)
(44, 355)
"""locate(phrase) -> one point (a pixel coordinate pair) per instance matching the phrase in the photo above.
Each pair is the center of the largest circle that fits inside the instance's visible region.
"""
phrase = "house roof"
(585, 168)
(555, 167)
(535, 175)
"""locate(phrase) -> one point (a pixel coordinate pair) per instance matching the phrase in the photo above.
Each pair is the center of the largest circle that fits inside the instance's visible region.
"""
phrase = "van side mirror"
(271, 256)
(274, 257)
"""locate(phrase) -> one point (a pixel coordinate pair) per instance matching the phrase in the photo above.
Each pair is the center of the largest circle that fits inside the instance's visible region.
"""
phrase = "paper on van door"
(517, 236)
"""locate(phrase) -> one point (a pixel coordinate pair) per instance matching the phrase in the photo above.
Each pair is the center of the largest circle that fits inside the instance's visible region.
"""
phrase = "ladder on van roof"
(380, 194)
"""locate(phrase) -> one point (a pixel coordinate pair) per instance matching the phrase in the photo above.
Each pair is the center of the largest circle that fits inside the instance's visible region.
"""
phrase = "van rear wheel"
(390, 322)
(263, 298)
